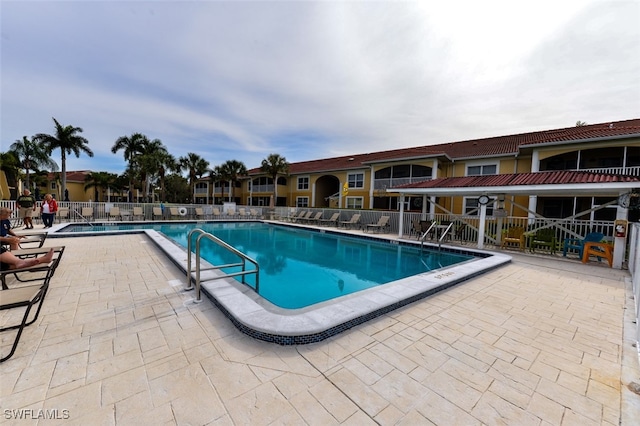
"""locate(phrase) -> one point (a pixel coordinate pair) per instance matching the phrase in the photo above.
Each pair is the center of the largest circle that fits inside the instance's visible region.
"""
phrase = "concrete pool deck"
(537, 341)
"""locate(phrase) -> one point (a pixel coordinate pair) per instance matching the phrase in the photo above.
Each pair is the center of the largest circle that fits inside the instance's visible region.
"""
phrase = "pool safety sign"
(345, 189)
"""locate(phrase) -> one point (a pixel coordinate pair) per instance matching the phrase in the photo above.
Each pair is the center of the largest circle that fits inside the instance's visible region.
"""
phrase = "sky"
(239, 80)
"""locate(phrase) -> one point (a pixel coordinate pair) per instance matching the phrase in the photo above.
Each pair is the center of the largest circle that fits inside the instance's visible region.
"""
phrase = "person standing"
(48, 209)
(26, 205)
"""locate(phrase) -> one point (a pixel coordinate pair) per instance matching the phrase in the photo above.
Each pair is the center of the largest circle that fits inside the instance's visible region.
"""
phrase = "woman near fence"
(48, 209)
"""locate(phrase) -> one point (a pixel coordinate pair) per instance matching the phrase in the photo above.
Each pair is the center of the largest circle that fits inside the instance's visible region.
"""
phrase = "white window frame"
(491, 206)
(355, 203)
(482, 166)
(303, 183)
(302, 202)
(354, 182)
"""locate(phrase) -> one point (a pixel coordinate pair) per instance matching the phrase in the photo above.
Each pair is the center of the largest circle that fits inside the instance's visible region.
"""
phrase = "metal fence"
(634, 269)
(467, 231)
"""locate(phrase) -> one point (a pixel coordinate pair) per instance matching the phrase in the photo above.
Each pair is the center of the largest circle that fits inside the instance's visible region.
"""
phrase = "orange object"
(598, 249)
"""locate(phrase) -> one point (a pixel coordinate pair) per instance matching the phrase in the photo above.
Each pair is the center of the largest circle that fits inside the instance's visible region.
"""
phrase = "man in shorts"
(27, 205)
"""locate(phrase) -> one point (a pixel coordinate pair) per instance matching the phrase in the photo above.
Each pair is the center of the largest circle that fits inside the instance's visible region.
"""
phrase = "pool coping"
(259, 318)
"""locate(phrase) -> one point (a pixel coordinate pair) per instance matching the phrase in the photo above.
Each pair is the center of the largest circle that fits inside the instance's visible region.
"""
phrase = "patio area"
(539, 341)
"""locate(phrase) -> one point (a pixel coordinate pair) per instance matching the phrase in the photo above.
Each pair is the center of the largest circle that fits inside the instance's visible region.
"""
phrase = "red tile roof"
(556, 177)
(494, 146)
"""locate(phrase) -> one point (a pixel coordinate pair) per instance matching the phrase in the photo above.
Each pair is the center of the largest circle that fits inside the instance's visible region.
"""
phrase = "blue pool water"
(300, 267)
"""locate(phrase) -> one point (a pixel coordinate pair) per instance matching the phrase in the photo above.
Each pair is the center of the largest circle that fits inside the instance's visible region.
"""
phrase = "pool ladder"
(243, 262)
(428, 231)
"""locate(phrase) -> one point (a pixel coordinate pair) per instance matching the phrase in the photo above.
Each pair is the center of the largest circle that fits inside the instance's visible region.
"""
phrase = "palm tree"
(132, 147)
(195, 166)
(275, 165)
(155, 161)
(232, 170)
(215, 175)
(148, 162)
(32, 156)
(68, 141)
(102, 181)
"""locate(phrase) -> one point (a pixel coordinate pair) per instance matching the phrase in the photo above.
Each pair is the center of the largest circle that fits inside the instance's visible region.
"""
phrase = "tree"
(155, 162)
(581, 123)
(102, 181)
(273, 166)
(195, 166)
(32, 156)
(148, 161)
(177, 189)
(132, 147)
(68, 141)
(215, 175)
(231, 171)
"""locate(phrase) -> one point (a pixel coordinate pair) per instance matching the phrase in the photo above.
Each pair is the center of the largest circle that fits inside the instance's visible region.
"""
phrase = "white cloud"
(313, 79)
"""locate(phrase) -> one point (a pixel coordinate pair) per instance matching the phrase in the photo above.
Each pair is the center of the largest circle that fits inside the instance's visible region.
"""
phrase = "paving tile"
(520, 345)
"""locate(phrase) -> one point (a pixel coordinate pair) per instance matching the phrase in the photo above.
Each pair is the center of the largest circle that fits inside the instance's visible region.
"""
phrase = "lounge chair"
(200, 213)
(22, 297)
(27, 297)
(243, 213)
(87, 213)
(577, 244)
(174, 213)
(382, 225)
(315, 218)
(513, 237)
(157, 213)
(305, 218)
(544, 239)
(32, 273)
(63, 213)
(114, 213)
(351, 223)
(33, 240)
(137, 213)
(216, 212)
(299, 216)
(231, 213)
(332, 220)
(255, 213)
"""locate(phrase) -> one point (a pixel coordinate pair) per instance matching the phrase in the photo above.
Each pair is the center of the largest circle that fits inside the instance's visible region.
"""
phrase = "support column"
(481, 225)
(620, 243)
(401, 216)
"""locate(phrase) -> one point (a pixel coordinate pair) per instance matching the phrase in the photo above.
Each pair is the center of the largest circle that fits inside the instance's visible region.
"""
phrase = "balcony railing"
(391, 182)
(629, 171)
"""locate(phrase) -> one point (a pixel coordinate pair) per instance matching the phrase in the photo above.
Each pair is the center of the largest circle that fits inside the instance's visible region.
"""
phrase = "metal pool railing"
(244, 259)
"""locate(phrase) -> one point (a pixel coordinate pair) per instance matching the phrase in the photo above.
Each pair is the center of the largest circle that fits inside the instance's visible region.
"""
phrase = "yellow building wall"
(5, 193)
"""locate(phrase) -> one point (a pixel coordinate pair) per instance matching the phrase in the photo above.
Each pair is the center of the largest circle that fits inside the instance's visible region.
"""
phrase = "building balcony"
(381, 184)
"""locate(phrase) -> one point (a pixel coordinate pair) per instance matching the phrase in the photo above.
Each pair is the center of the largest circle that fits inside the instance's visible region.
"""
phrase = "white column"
(620, 243)
(401, 216)
(481, 225)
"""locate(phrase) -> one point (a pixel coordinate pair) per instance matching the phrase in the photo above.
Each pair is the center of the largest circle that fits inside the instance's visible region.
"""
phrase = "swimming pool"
(257, 317)
(301, 267)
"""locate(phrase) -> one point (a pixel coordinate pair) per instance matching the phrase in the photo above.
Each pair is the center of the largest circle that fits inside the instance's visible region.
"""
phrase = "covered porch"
(498, 192)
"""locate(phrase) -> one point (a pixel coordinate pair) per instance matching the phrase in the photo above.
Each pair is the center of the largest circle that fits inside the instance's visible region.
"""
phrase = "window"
(482, 170)
(53, 185)
(354, 203)
(303, 183)
(472, 203)
(302, 201)
(356, 180)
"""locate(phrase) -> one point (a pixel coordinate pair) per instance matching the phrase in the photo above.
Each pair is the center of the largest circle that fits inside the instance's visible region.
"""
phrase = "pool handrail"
(226, 246)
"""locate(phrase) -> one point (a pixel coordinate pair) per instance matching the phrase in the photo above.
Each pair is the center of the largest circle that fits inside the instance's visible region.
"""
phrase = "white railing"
(634, 269)
(393, 182)
(629, 171)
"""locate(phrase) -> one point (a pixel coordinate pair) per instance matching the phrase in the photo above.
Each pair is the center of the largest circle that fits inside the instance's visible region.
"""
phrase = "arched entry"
(327, 189)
